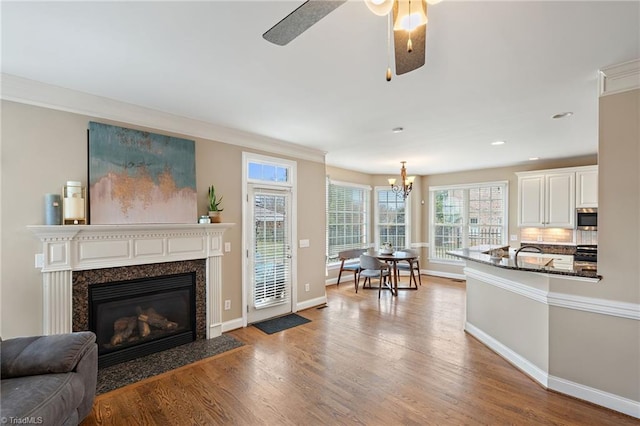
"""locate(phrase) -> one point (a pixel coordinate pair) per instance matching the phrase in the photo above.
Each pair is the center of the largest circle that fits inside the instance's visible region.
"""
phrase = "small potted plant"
(214, 205)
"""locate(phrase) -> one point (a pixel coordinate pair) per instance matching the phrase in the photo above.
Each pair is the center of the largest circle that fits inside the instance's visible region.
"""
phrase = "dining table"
(393, 259)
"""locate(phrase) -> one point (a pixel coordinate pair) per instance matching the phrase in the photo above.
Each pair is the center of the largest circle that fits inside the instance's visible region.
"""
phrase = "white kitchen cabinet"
(546, 199)
(587, 187)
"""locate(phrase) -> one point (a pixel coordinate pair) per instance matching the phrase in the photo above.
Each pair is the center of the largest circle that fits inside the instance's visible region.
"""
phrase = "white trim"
(442, 274)
(84, 247)
(596, 396)
(419, 245)
(247, 222)
(619, 78)
(595, 305)
(558, 384)
(569, 301)
(311, 303)
(520, 362)
(509, 285)
(31, 92)
(559, 170)
(231, 325)
(350, 184)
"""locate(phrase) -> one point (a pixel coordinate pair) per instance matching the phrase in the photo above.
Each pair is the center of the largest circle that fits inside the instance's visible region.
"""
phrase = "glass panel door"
(270, 254)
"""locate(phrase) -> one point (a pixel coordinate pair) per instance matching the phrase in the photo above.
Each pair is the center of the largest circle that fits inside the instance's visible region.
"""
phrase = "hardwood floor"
(361, 360)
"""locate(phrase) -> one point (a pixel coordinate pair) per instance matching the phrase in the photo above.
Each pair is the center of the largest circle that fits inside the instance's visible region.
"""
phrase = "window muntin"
(467, 216)
(259, 171)
(347, 218)
(392, 220)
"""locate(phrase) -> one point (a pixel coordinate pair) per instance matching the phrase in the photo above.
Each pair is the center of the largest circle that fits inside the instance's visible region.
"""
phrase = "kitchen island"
(510, 304)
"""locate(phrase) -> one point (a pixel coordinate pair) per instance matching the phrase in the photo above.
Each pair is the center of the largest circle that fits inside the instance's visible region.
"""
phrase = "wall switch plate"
(514, 237)
(227, 247)
(227, 305)
(539, 238)
(39, 260)
(304, 243)
(306, 287)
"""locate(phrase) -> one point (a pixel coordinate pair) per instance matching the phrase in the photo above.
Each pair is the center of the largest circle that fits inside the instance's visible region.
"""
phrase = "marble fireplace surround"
(68, 248)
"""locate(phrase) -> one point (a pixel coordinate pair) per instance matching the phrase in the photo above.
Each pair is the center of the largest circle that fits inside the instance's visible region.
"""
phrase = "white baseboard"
(596, 396)
(231, 325)
(558, 384)
(451, 275)
(311, 303)
(520, 362)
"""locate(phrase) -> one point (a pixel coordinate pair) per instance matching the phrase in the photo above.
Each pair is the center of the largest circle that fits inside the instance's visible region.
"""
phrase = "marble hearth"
(128, 249)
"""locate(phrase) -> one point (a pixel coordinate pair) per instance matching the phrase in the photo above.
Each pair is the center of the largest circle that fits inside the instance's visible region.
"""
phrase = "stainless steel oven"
(586, 258)
(587, 219)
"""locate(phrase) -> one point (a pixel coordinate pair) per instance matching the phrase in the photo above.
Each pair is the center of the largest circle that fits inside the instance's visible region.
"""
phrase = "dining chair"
(346, 255)
(370, 267)
(413, 266)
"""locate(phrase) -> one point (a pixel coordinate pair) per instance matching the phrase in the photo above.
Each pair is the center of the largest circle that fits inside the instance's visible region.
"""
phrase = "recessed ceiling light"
(497, 143)
(534, 158)
(562, 115)
(397, 130)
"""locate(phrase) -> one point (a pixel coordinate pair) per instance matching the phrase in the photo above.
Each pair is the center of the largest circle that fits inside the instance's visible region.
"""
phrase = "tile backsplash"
(587, 237)
(548, 235)
(558, 235)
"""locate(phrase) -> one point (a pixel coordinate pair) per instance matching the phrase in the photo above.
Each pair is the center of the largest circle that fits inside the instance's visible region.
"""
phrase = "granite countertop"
(525, 262)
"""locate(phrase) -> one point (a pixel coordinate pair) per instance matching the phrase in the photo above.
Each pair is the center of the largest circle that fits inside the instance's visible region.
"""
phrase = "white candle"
(74, 208)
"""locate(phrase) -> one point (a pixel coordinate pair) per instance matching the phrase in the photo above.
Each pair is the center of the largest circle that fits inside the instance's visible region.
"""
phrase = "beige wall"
(603, 351)
(43, 148)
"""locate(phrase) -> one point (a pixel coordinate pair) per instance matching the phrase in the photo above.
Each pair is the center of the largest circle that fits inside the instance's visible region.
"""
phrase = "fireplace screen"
(138, 317)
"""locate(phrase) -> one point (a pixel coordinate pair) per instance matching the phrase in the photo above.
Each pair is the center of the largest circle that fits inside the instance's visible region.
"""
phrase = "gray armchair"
(345, 256)
(412, 266)
(49, 380)
(370, 267)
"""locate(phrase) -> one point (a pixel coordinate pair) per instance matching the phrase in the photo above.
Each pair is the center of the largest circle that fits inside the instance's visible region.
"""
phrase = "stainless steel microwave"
(587, 219)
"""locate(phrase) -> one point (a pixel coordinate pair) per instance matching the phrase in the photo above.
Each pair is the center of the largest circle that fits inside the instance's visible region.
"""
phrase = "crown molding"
(31, 92)
(620, 78)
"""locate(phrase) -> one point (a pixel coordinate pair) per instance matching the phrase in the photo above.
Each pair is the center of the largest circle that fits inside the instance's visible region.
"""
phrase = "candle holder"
(74, 204)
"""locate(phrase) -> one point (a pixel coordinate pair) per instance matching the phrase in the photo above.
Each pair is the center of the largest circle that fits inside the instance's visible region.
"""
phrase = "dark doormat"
(116, 376)
(281, 323)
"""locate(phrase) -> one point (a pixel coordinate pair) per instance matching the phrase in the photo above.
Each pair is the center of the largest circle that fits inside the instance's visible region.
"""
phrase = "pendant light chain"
(409, 44)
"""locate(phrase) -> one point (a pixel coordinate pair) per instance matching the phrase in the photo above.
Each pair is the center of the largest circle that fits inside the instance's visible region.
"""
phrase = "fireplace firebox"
(138, 317)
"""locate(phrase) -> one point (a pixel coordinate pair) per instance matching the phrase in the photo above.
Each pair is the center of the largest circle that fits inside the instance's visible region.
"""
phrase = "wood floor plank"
(360, 361)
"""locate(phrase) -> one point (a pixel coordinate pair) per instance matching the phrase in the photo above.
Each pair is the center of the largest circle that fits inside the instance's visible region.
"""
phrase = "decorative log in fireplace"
(130, 329)
(138, 317)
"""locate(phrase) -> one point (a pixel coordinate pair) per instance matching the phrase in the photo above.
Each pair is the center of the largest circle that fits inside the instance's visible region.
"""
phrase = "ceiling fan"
(408, 18)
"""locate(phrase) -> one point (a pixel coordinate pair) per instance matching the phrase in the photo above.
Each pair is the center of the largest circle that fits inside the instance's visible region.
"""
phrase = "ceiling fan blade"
(409, 61)
(300, 20)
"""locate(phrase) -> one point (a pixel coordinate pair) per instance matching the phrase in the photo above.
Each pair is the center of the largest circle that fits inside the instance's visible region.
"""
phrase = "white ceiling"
(494, 71)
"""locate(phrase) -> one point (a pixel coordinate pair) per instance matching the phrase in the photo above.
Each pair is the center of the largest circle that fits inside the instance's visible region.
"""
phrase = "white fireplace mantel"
(68, 248)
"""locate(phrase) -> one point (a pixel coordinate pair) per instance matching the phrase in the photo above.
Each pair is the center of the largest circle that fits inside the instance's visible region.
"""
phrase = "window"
(262, 169)
(347, 217)
(465, 216)
(392, 220)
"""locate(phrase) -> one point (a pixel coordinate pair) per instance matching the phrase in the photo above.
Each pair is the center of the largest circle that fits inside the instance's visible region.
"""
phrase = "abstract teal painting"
(140, 177)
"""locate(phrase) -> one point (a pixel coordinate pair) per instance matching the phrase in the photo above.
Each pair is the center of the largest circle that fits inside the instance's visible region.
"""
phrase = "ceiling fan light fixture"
(411, 15)
(379, 7)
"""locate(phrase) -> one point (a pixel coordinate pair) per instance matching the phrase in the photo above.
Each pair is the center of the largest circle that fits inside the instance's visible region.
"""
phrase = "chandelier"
(404, 188)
